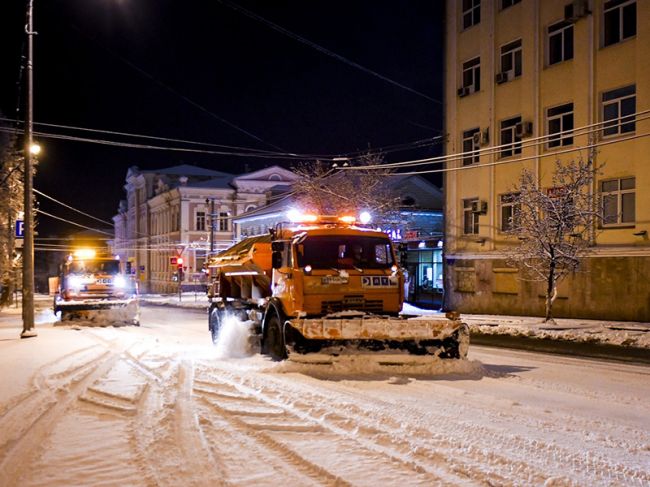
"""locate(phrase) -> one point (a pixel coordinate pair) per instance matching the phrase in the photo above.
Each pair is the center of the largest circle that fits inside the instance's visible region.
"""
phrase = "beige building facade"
(528, 83)
(169, 213)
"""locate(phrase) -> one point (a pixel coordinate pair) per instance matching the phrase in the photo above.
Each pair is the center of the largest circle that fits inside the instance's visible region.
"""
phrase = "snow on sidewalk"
(620, 333)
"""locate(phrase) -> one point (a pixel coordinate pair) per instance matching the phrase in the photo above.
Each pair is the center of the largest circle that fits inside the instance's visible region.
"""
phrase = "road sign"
(20, 229)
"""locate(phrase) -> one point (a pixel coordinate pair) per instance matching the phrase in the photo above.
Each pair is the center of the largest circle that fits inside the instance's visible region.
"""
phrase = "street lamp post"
(28, 244)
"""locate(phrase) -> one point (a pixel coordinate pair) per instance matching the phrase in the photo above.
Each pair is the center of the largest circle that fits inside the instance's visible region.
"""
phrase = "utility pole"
(28, 244)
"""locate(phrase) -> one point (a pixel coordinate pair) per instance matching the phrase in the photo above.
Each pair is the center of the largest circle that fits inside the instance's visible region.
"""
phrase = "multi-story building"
(167, 214)
(530, 82)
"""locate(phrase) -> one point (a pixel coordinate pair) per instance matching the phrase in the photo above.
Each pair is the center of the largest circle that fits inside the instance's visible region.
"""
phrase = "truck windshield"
(94, 267)
(325, 252)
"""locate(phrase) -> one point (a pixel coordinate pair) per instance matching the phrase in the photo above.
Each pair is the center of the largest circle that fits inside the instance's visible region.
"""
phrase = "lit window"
(619, 107)
(471, 13)
(470, 147)
(617, 196)
(558, 120)
(510, 138)
(619, 21)
(560, 42)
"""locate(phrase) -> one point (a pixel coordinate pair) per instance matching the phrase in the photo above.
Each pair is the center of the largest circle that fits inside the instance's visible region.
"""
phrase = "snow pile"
(186, 300)
(627, 334)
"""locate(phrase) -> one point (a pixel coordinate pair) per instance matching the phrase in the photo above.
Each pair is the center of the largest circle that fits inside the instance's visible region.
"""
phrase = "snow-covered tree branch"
(554, 225)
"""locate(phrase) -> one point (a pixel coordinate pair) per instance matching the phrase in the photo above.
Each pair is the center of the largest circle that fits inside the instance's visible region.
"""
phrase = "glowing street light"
(35, 149)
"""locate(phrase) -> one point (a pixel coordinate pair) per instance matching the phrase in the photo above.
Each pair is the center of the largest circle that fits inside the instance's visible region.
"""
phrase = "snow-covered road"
(155, 406)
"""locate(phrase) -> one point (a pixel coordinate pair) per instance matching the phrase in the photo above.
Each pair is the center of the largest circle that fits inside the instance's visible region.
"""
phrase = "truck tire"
(215, 321)
(273, 342)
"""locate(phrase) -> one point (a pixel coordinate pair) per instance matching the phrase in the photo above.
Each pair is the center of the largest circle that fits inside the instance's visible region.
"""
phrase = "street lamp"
(28, 243)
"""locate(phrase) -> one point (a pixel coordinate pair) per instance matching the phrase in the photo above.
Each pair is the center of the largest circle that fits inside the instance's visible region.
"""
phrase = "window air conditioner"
(576, 10)
(524, 129)
(479, 207)
(501, 78)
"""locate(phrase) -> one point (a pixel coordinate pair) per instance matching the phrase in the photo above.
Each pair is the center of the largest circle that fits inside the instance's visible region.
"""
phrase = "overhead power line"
(495, 149)
(72, 223)
(72, 208)
(325, 51)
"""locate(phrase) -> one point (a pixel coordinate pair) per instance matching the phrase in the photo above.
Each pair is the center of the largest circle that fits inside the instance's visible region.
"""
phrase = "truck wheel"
(216, 320)
(273, 344)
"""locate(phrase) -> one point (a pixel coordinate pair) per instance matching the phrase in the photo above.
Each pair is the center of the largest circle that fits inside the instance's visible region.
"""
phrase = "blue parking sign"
(20, 229)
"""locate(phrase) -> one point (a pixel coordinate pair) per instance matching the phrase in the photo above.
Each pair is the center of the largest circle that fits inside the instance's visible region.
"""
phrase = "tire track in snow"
(23, 450)
(225, 417)
(354, 441)
(491, 456)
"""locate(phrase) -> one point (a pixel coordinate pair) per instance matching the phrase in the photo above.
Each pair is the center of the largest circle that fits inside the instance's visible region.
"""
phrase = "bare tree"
(554, 225)
(334, 191)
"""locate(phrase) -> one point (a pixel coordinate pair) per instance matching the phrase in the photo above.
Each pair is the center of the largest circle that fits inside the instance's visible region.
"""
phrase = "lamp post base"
(28, 333)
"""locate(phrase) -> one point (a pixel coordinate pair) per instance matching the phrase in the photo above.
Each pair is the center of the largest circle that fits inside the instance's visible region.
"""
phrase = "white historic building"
(167, 214)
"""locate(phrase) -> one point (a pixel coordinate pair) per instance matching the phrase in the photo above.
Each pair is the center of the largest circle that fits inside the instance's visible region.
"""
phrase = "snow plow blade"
(393, 340)
(108, 311)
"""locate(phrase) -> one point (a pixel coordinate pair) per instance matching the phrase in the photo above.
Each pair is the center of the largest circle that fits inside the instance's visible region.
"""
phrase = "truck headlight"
(119, 281)
(75, 281)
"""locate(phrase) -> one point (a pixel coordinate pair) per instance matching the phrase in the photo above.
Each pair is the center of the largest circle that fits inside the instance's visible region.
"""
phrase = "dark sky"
(177, 69)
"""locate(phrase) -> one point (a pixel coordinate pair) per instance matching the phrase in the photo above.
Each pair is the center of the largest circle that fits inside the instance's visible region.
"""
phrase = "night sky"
(193, 69)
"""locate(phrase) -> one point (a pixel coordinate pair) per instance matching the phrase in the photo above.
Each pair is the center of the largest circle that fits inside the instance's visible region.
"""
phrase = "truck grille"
(353, 303)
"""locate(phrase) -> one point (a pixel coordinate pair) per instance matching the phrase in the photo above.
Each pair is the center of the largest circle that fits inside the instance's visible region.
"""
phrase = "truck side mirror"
(277, 246)
(276, 259)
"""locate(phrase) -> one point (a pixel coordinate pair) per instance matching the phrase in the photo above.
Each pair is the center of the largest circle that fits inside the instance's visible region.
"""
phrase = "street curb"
(604, 351)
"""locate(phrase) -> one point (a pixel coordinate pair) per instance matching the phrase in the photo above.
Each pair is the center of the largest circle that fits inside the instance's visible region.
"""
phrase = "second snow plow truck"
(93, 288)
(322, 288)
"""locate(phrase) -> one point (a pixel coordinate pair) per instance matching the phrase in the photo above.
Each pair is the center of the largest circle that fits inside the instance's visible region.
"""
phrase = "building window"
(619, 107)
(471, 13)
(470, 147)
(617, 196)
(223, 221)
(619, 21)
(510, 138)
(508, 3)
(511, 60)
(509, 211)
(472, 75)
(560, 42)
(199, 222)
(558, 120)
(470, 216)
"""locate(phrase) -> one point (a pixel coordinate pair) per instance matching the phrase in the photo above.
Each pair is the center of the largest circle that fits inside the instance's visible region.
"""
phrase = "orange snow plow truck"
(91, 287)
(323, 288)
